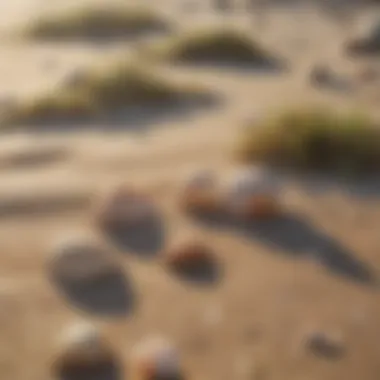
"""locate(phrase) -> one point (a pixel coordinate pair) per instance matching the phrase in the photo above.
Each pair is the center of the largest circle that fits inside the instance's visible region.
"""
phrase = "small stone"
(367, 44)
(187, 253)
(320, 75)
(156, 358)
(254, 193)
(200, 193)
(327, 345)
(193, 260)
(252, 180)
(82, 348)
(80, 257)
(123, 207)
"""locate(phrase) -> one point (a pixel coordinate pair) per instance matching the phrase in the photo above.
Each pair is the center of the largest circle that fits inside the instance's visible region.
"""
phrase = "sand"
(252, 324)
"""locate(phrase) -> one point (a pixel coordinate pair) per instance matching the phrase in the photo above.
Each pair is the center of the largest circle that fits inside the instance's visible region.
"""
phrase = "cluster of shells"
(251, 193)
(85, 258)
(85, 353)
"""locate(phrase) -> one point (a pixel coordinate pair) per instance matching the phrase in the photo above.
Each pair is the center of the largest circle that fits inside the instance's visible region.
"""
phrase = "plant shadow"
(297, 238)
(38, 206)
(106, 35)
(111, 295)
(34, 158)
(264, 66)
(139, 118)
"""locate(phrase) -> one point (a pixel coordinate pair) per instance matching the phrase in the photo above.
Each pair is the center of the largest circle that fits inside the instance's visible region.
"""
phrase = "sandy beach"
(252, 324)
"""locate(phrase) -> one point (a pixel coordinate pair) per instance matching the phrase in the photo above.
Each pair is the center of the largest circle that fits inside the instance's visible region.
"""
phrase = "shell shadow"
(297, 238)
(99, 371)
(110, 295)
(135, 118)
(363, 47)
(205, 273)
(145, 239)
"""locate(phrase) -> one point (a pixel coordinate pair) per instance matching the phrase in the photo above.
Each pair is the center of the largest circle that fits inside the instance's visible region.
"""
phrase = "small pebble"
(80, 257)
(156, 358)
(82, 348)
(326, 345)
(123, 207)
(320, 75)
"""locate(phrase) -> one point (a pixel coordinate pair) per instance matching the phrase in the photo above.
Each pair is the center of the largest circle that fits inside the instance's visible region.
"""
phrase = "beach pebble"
(188, 253)
(253, 192)
(200, 192)
(320, 75)
(82, 347)
(80, 257)
(325, 344)
(123, 207)
(366, 44)
(156, 358)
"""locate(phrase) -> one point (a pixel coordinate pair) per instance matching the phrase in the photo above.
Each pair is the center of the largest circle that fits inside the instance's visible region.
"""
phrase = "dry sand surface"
(253, 323)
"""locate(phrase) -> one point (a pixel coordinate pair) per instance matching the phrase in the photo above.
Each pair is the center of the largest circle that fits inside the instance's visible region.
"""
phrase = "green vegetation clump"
(95, 22)
(315, 138)
(215, 45)
(101, 93)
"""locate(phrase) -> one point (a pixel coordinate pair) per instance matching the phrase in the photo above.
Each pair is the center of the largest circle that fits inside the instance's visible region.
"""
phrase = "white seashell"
(82, 344)
(253, 181)
(248, 184)
(82, 336)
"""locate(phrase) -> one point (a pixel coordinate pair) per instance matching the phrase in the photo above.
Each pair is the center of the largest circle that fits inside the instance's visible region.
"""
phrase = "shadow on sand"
(366, 187)
(205, 273)
(144, 240)
(299, 239)
(264, 66)
(100, 371)
(139, 118)
(111, 295)
(43, 205)
(31, 158)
